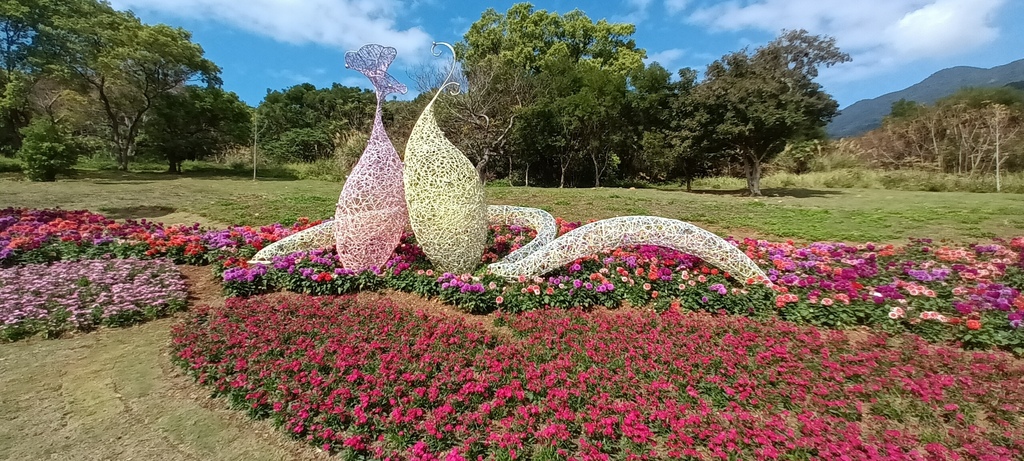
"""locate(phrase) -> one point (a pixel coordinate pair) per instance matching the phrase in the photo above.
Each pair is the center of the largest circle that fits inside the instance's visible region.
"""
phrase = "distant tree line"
(549, 99)
(976, 131)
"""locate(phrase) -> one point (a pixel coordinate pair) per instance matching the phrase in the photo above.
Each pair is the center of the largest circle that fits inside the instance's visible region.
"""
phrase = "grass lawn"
(856, 215)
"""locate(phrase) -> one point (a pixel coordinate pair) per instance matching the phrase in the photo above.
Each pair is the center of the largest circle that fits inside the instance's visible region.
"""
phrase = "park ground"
(113, 394)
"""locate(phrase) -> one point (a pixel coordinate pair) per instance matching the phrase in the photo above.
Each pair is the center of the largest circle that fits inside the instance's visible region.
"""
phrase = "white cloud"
(636, 12)
(946, 27)
(878, 34)
(666, 57)
(675, 6)
(291, 75)
(342, 24)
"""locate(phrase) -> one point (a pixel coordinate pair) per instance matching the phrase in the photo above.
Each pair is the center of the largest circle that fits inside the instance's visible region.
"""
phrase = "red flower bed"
(383, 381)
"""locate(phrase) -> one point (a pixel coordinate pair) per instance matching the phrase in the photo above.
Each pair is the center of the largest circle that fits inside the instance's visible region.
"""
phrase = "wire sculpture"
(608, 234)
(536, 219)
(438, 193)
(314, 238)
(371, 213)
(546, 253)
(447, 208)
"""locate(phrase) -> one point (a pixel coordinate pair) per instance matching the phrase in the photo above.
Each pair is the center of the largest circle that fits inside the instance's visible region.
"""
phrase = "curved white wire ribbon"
(546, 253)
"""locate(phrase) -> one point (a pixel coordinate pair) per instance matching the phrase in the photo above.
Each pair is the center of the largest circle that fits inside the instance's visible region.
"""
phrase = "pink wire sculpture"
(371, 213)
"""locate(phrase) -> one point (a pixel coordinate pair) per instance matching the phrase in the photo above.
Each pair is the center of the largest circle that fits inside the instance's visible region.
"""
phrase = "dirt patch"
(188, 219)
(203, 287)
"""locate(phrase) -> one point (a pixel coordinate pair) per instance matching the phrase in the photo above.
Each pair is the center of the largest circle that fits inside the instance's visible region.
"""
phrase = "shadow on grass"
(137, 212)
(198, 173)
(780, 192)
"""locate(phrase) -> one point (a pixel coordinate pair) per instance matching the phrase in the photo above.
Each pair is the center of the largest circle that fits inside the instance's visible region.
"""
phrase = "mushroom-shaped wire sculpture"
(371, 213)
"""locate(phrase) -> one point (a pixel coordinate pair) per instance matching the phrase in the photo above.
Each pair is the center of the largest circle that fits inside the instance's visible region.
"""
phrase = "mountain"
(867, 114)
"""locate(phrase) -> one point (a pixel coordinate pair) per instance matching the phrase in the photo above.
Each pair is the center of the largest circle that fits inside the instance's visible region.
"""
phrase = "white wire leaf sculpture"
(612, 233)
(371, 213)
(313, 238)
(447, 208)
(536, 219)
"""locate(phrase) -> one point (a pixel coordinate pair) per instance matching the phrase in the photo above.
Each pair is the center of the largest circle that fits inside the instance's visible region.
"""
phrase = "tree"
(195, 123)
(557, 55)
(304, 123)
(752, 104)
(526, 38)
(904, 109)
(126, 65)
(47, 150)
(480, 118)
(19, 22)
(647, 153)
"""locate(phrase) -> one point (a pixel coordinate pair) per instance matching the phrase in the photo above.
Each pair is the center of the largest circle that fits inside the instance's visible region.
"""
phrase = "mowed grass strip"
(853, 215)
(113, 394)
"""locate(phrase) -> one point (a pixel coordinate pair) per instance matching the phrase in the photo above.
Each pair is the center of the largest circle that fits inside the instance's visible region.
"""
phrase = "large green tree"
(20, 21)
(577, 71)
(751, 104)
(304, 123)
(195, 122)
(126, 65)
(526, 38)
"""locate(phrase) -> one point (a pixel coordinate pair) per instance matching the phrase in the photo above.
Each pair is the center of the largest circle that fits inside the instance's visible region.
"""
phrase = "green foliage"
(752, 104)
(10, 165)
(905, 109)
(531, 39)
(303, 123)
(195, 123)
(47, 151)
(975, 97)
(125, 64)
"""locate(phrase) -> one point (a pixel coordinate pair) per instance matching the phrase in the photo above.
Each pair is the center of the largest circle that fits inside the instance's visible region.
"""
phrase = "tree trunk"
(689, 184)
(998, 179)
(752, 165)
(597, 173)
(561, 180)
(481, 167)
(122, 159)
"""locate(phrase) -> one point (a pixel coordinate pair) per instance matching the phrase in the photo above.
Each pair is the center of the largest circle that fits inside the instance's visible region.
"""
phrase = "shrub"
(47, 151)
(10, 165)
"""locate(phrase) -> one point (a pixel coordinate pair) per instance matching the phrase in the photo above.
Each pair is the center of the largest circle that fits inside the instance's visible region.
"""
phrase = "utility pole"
(255, 137)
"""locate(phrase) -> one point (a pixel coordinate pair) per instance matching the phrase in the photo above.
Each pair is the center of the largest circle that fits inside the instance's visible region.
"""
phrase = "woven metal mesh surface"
(447, 208)
(608, 234)
(437, 192)
(371, 212)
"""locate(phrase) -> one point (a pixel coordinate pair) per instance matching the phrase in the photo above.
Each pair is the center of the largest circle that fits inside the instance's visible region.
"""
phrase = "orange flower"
(973, 324)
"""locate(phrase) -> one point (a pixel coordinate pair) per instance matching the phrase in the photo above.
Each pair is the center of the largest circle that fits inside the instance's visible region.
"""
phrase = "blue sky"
(273, 44)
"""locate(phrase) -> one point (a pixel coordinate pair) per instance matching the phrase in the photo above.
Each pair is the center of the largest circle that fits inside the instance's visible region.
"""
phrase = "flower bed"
(38, 236)
(944, 293)
(972, 295)
(80, 295)
(381, 380)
